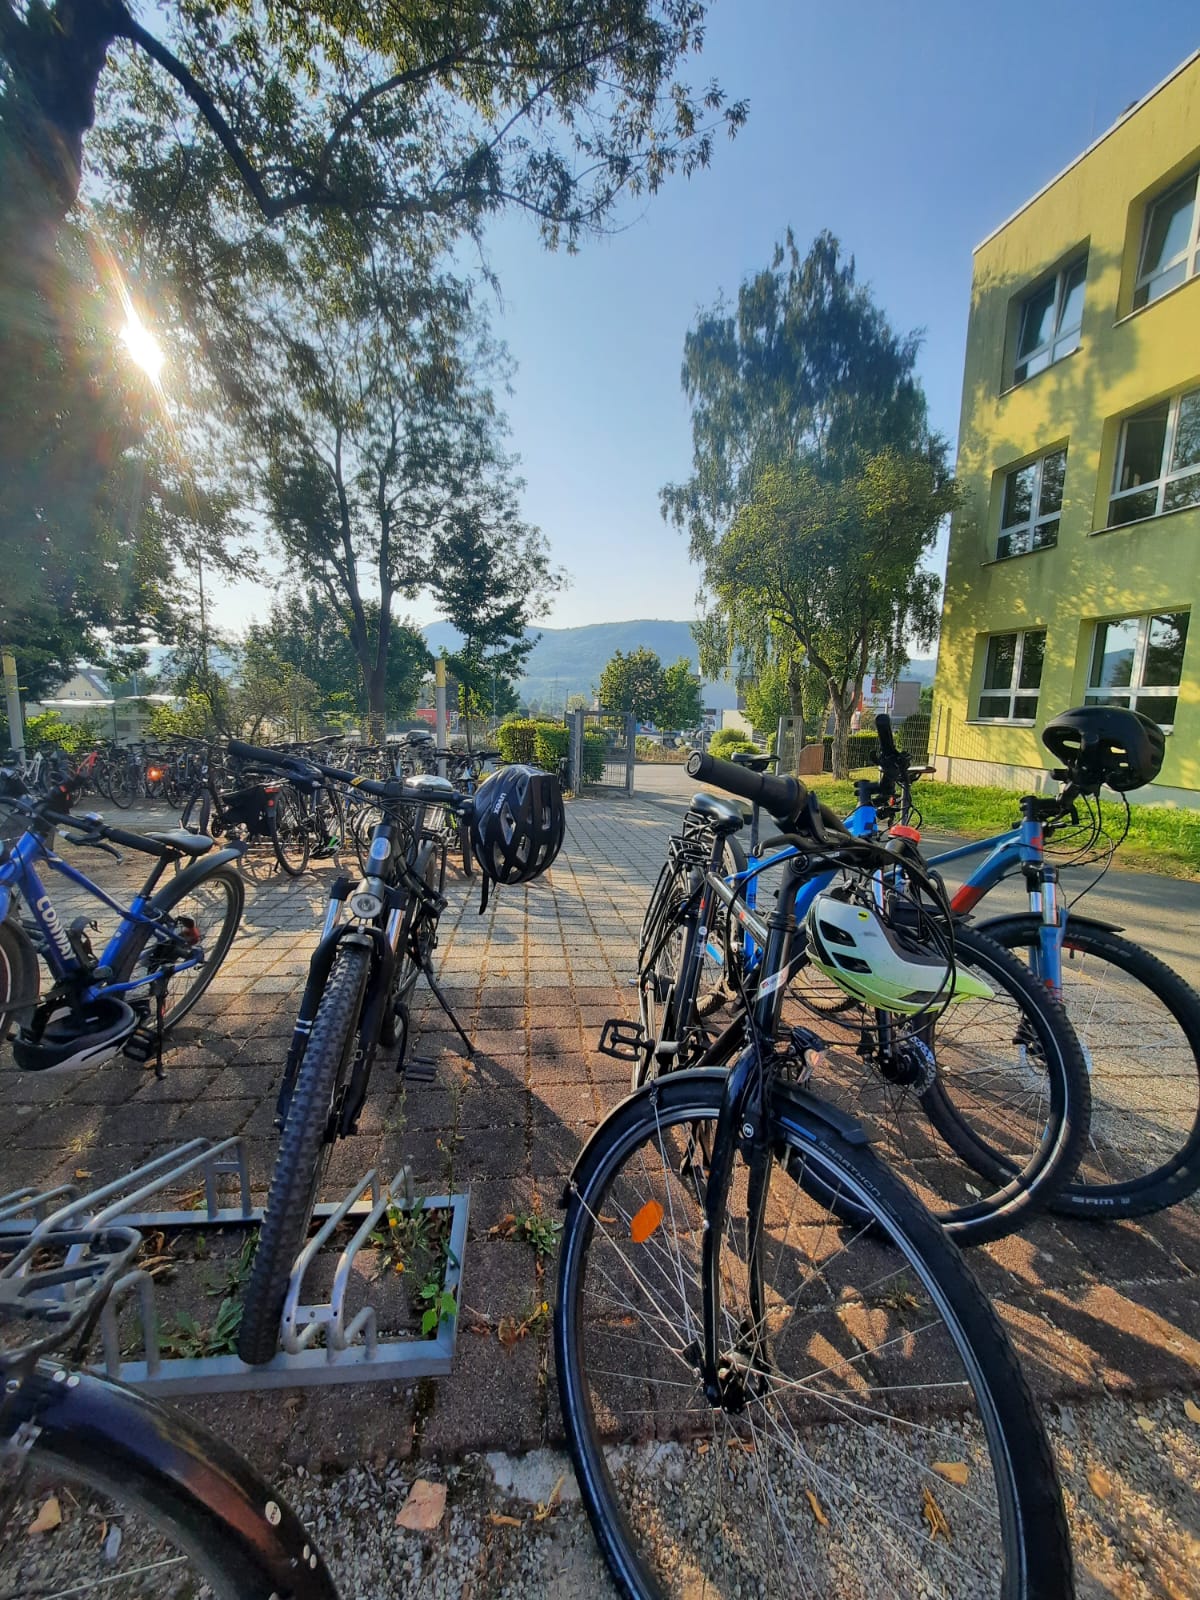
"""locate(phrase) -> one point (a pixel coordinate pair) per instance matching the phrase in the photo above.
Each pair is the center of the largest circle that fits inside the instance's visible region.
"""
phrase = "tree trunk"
(842, 707)
(377, 705)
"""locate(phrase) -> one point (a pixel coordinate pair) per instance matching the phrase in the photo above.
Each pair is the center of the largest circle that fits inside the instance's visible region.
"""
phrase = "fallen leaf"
(953, 1471)
(1145, 1424)
(424, 1508)
(934, 1516)
(48, 1518)
(746, 1445)
(816, 1508)
(503, 1229)
(702, 1447)
(609, 1222)
(499, 1520)
(82, 1172)
(1099, 1482)
(1191, 1411)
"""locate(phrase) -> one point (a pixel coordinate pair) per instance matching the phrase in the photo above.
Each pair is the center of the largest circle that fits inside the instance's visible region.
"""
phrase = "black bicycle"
(776, 1375)
(138, 1499)
(378, 938)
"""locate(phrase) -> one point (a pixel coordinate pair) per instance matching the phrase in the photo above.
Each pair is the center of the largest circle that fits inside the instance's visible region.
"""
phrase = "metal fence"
(602, 751)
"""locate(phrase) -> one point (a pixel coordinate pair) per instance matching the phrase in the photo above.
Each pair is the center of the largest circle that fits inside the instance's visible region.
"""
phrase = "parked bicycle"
(966, 1067)
(140, 1499)
(166, 950)
(378, 938)
(830, 1403)
(1137, 1020)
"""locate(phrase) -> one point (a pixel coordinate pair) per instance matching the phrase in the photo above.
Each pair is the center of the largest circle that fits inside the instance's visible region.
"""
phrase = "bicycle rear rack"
(352, 1351)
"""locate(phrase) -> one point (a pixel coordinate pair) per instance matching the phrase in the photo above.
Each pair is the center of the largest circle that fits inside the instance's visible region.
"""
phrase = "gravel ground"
(514, 1527)
(1131, 1476)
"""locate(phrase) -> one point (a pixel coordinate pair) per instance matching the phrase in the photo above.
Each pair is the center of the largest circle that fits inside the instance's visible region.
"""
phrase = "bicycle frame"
(18, 872)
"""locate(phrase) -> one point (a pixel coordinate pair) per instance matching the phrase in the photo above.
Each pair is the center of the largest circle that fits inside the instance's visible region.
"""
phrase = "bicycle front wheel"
(298, 1166)
(884, 1442)
(1139, 1025)
(148, 1504)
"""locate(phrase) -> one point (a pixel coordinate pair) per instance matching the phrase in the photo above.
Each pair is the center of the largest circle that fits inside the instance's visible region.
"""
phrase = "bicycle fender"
(140, 1446)
(199, 870)
(807, 1104)
(1024, 917)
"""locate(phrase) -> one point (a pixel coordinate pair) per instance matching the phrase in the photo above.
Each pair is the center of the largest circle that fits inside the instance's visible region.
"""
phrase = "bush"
(862, 750)
(515, 739)
(551, 743)
(726, 742)
(594, 748)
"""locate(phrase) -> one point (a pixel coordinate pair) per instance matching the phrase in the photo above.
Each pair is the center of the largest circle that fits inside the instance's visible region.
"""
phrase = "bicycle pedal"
(420, 1069)
(622, 1039)
(140, 1046)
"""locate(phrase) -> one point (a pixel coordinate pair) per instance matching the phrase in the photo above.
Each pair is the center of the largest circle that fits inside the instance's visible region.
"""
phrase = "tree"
(680, 705)
(493, 578)
(834, 564)
(817, 487)
(633, 684)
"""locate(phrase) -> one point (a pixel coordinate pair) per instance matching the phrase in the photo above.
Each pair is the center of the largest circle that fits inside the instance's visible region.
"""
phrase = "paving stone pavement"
(1091, 1310)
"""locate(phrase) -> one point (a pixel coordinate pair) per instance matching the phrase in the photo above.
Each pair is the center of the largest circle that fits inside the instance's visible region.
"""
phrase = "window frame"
(1166, 476)
(1099, 694)
(1015, 375)
(1036, 517)
(1014, 691)
(1189, 255)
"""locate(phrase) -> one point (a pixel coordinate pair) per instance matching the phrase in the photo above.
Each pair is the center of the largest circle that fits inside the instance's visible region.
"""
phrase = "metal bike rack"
(319, 1345)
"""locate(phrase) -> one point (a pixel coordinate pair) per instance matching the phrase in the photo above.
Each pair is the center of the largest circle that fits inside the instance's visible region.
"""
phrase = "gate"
(602, 751)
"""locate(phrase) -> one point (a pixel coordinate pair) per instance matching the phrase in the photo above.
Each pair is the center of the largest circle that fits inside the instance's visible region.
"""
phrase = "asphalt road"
(1163, 914)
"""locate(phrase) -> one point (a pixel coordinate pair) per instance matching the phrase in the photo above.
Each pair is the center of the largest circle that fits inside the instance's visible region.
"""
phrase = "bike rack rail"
(351, 1352)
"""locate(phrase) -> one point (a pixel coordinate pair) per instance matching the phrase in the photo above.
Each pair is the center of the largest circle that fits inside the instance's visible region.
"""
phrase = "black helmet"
(518, 823)
(1106, 744)
(70, 1041)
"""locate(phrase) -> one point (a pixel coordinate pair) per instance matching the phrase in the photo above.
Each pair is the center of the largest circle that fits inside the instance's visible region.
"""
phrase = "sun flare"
(142, 345)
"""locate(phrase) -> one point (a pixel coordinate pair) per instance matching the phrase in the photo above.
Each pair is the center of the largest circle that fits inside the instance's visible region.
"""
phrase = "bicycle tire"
(298, 1163)
(121, 785)
(160, 1476)
(1114, 1038)
(289, 831)
(608, 1363)
(165, 901)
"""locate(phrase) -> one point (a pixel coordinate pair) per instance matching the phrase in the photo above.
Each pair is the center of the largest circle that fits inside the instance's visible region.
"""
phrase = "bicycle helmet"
(68, 1041)
(1106, 744)
(852, 944)
(518, 823)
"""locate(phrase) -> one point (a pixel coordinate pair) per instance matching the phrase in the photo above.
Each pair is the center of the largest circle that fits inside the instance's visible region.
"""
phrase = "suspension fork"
(1041, 879)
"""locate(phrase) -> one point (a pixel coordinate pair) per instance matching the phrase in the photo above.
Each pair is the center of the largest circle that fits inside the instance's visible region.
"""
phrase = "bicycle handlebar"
(784, 798)
(297, 767)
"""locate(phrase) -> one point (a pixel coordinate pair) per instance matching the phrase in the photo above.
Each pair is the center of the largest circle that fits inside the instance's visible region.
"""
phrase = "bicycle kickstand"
(427, 969)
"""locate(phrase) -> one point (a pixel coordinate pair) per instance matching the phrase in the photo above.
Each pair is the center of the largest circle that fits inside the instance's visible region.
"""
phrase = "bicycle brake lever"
(86, 841)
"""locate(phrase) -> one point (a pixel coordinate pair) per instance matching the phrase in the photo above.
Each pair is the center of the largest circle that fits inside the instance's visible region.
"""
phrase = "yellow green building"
(1074, 559)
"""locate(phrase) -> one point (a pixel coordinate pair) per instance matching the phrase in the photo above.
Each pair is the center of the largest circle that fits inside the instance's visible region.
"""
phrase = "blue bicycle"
(1137, 1021)
(167, 948)
(965, 1067)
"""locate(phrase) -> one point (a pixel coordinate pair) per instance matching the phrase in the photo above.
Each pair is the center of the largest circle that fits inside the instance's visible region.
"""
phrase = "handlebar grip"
(783, 798)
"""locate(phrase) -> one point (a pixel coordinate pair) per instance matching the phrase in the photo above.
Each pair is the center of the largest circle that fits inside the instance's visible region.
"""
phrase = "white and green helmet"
(852, 944)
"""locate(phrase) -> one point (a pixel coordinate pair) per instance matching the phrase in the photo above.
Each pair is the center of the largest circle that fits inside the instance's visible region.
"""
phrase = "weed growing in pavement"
(532, 1228)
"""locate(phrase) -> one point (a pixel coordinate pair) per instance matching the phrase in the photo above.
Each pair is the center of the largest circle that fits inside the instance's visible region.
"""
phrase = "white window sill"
(1162, 299)
(1140, 522)
(1023, 383)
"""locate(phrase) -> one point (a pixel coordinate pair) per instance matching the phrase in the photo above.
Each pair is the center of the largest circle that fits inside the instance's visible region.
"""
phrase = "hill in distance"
(567, 661)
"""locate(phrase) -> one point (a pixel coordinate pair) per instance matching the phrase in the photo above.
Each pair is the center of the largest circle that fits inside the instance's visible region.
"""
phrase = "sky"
(911, 131)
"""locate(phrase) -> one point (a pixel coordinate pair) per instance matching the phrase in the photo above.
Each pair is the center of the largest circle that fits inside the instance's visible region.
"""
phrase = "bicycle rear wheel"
(886, 1442)
(304, 1147)
(206, 912)
(1139, 1025)
(291, 831)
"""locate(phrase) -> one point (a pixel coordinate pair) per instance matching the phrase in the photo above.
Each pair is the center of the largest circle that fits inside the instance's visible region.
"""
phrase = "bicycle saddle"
(721, 815)
(188, 844)
(743, 758)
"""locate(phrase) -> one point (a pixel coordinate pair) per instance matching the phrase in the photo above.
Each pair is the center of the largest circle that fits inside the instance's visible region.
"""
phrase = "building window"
(1170, 242)
(1012, 676)
(1050, 320)
(1158, 461)
(1032, 503)
(1137, 662)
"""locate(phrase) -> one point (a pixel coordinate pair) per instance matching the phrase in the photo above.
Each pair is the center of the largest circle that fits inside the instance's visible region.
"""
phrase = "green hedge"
(546, 744)
(726, 741)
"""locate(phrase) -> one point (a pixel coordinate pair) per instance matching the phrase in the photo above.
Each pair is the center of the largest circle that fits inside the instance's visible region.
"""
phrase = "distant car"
(670, 741)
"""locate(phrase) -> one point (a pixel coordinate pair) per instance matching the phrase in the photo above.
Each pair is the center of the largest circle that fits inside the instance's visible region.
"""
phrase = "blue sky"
(909, 130)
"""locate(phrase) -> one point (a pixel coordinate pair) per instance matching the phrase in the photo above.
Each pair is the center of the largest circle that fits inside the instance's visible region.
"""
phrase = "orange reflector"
(645, 1221)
